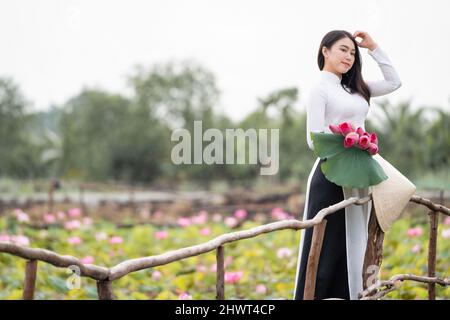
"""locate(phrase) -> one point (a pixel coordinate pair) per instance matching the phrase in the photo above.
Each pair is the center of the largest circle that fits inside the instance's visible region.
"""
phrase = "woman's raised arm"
(391, 81)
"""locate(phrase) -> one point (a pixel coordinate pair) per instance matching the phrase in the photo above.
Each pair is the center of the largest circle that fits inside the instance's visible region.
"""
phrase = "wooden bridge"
(373, 257)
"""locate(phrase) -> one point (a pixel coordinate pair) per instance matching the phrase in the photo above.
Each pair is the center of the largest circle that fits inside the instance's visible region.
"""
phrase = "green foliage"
(98, 136)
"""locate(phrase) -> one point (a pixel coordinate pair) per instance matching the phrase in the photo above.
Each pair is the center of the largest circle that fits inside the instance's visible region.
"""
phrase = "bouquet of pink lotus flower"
(348, 154)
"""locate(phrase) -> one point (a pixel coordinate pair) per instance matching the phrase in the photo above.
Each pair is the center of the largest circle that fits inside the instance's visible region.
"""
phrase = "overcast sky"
(52, 48)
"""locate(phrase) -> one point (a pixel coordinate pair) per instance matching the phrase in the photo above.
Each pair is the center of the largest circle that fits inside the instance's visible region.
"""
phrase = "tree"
(17, 153)
(105, 136)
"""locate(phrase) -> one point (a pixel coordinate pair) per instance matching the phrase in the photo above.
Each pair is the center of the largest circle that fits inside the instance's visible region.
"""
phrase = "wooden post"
(374, 250)
(432, 242)
(105, 291)
(313, 260)
(220, 283)
(30, 279)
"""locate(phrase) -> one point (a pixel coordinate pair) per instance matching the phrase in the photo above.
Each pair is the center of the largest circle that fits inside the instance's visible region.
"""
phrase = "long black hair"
(353, 78)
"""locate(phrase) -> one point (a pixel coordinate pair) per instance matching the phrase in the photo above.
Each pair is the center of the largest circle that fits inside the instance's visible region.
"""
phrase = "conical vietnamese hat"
(390, 196)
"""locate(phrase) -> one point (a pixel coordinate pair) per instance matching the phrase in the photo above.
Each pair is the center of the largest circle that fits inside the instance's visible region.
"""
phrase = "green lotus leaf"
(347, 167)
(327, 145)
(354, 168)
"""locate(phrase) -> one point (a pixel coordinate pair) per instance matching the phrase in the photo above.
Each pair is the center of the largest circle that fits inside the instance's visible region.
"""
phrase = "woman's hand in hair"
(367, 41)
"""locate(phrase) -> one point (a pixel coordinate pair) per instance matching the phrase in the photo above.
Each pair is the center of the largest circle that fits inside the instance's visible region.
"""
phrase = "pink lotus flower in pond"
(184, 296)
(415, 232)
(205, 231)
(233, 277)
(61, 215)
(158, 214)
(72, 225)
(74, 212)
(74, 240)
(447, 221)
(351, 139)
(100, 236)
(360, 131)
(162, 234)
(183, 222)
(87, 260)
(416, 248)
(334, 129)
(284, 253)
(446, 233)
(200, 218)
(364, 142)
(156, 275)
(373, 138)
(240, 213)
(346, 128)
(231, 222)
(5, 238)
(20, 240)
(115, 240)
(49, 218)
(87, 221)
(279, 214)
(21, 216)
(261, 289)
(373, 148)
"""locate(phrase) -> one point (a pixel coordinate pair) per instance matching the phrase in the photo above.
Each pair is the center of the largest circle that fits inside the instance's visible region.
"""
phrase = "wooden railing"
(105, 276)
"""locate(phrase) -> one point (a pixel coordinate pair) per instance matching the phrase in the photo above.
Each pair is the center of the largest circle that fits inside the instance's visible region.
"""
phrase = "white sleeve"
(315, 113)
(391, 80)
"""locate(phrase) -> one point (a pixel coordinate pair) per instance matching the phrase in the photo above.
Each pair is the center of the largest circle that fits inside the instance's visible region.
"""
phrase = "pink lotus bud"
(87, 260)
(284, 253)
(415, 232)
(416, 248)
(373, 138)
(233, 277)
(334, 128)
(205, 231)
(260, 288)
(184, 296)
(161, 234)
(373, 148)
(360, 131)
(351, 139)
(346, 128)
(240, 213)
(364, 142)
(115, 240)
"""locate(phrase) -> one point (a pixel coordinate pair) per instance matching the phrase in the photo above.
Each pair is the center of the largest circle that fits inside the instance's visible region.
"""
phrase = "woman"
(340, 95)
